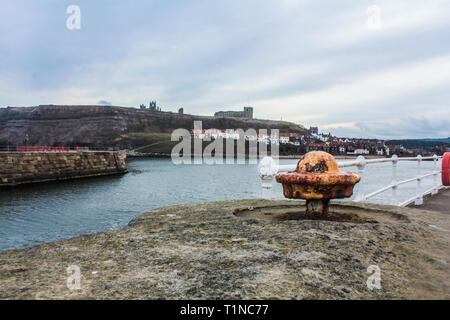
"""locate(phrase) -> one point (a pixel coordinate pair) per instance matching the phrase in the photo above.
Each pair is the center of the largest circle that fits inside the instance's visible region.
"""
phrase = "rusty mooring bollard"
(317, 179)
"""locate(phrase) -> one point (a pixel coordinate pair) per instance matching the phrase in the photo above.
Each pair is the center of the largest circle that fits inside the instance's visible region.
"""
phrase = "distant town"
(315, 141)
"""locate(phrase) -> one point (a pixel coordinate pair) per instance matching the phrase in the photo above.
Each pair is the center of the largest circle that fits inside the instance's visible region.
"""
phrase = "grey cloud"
(408, 127)
(206, 54)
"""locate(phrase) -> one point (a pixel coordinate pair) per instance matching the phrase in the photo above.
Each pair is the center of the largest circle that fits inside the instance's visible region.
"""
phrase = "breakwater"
(29, 167)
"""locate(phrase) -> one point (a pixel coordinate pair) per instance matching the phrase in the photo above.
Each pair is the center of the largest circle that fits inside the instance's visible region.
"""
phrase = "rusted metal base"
(317, 208)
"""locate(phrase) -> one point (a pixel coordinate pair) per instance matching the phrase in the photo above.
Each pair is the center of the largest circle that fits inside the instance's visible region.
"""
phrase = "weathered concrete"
(245, 249)
(439, 202)
(29, 167)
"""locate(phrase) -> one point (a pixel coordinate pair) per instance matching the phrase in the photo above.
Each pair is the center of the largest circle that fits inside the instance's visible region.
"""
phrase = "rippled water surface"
(40, 213)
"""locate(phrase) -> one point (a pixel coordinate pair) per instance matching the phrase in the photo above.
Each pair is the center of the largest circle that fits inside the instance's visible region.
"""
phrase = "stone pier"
(243, 249)
(30, 167)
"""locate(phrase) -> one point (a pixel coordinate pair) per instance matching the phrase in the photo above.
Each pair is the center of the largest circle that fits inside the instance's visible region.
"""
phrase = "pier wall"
(29, 167)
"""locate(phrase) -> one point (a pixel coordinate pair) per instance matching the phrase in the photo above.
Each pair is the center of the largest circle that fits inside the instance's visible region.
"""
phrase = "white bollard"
(267, 169)
(360, 196)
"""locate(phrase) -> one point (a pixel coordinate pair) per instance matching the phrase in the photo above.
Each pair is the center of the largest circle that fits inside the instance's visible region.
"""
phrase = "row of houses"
(208, 134)
(348, 148)
(411, 152)
(333, 145)
(314, 141)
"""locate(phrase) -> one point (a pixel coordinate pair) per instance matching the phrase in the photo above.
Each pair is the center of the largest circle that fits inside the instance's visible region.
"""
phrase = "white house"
(361, 151)
(284, 139)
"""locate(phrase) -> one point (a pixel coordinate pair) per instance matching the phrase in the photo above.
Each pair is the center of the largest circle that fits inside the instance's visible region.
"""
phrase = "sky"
(358, 68)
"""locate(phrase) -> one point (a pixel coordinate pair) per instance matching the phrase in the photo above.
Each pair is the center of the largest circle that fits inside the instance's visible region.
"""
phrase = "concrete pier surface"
(243, 249)
(439, 202)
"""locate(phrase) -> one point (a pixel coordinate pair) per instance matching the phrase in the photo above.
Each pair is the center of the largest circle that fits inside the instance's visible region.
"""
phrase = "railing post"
(360, 197)
(419, 199)
(394, 179)
(435, 185)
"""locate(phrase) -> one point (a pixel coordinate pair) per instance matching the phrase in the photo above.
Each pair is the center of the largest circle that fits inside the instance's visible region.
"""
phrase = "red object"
(31, 149)
(78, 149)
(446, 169)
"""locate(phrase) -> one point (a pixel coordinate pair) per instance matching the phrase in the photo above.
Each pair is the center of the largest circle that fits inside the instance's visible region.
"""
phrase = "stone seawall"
(29, 167)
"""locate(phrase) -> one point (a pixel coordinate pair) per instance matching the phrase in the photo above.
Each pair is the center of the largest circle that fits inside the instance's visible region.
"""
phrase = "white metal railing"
(268, 168)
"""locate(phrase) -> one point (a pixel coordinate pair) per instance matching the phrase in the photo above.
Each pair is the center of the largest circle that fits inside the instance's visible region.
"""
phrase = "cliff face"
(99, 126)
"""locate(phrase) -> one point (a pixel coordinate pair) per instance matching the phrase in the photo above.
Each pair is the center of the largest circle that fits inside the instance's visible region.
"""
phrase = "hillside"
(106, 126)
(419, 143)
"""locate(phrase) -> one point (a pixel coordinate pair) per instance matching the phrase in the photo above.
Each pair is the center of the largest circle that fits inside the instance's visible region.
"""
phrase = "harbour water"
(35, 214)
